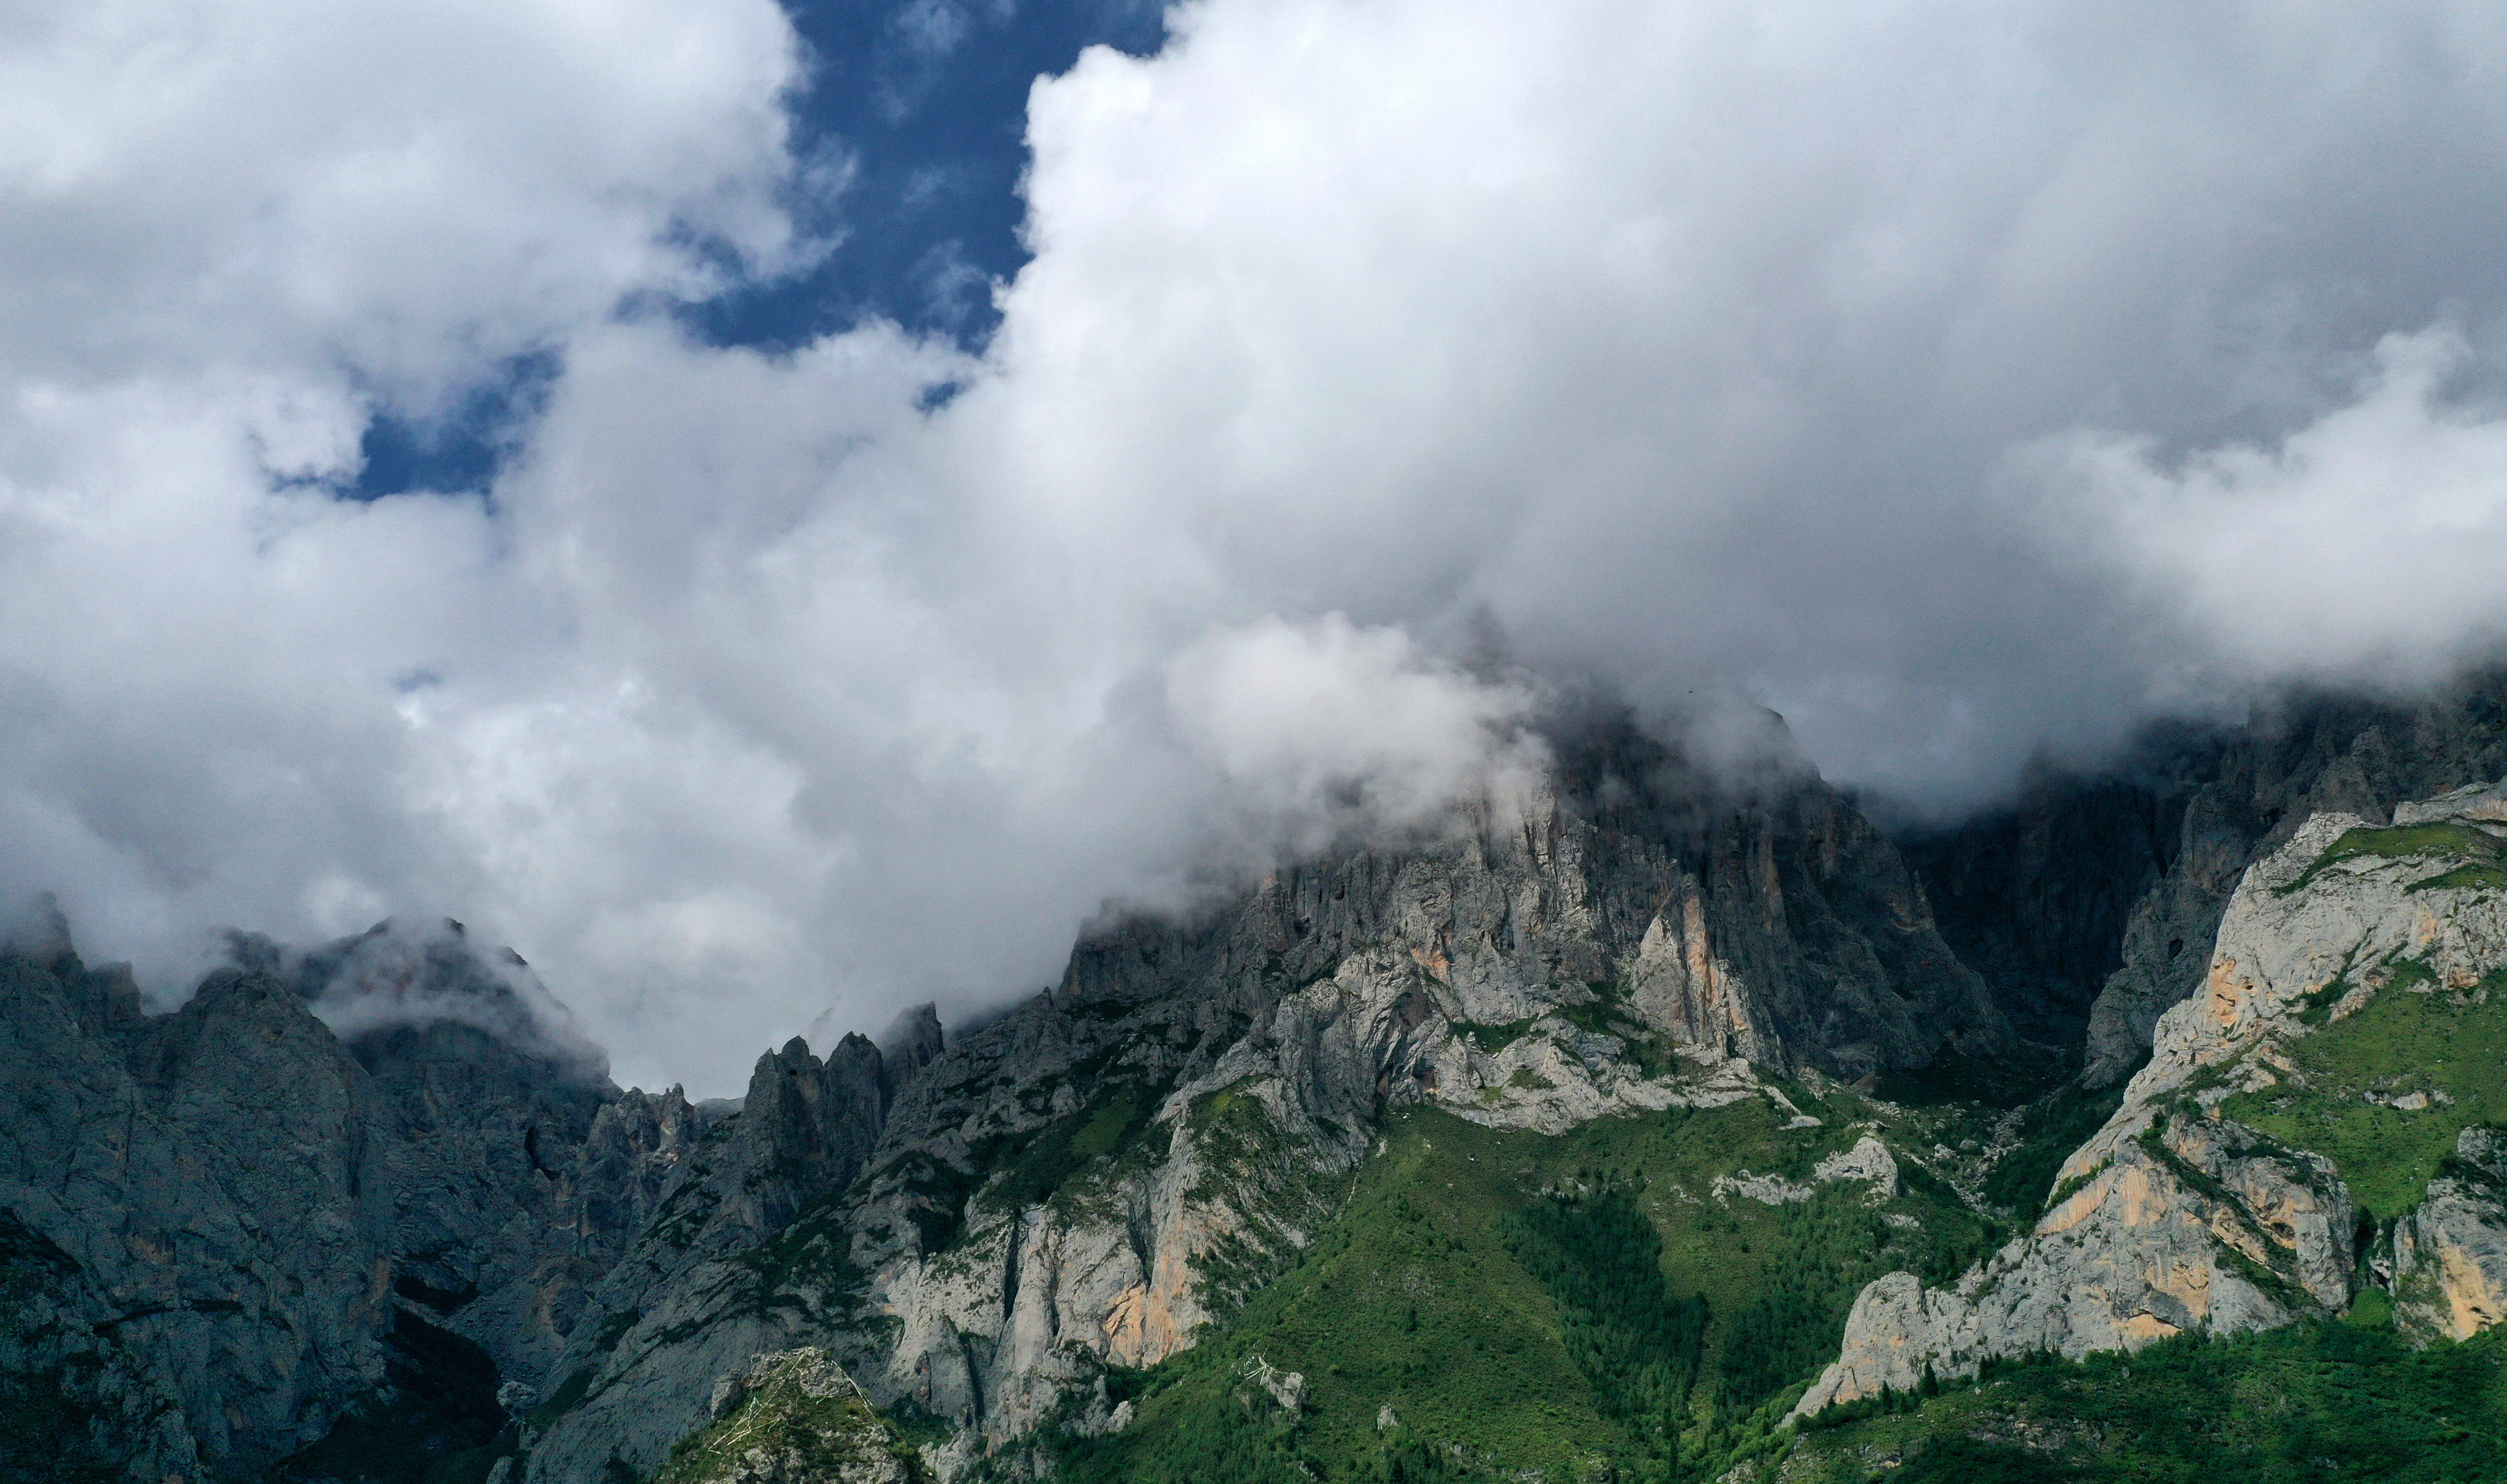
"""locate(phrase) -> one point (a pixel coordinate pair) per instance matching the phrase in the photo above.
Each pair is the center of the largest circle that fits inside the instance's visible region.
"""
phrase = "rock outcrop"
(2241, 795)
(2089, 904)
(1110, 1167)
(792, 1418)
(2450, 1257)
(2177, 1216)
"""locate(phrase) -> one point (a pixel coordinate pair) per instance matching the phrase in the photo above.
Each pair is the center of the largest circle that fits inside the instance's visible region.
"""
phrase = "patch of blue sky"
(926, 102)
(912, 133)
(457, 448)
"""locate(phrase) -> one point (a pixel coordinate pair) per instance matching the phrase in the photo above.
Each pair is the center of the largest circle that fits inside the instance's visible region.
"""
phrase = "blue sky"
(915, 115)
(927, 100)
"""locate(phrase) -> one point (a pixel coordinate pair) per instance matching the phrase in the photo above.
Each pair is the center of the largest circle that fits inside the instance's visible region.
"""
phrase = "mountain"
(264, 1238)
(2318, 1136)
(2088, 903)
(2316, 1124)
(1665, 1124)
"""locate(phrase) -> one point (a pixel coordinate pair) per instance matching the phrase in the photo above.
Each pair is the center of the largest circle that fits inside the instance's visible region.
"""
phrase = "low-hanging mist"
(1964, 381)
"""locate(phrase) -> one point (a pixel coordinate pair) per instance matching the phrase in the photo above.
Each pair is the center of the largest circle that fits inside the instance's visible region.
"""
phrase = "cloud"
(1959, 380)
(398, 974)
(408, 194)
(2362, 549)
(1318, 728)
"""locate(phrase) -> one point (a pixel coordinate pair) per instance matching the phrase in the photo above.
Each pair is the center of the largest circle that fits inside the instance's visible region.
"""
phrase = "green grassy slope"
(2316, 1401)
(2462, 854)
(2412, 1037)
(1491, 1301)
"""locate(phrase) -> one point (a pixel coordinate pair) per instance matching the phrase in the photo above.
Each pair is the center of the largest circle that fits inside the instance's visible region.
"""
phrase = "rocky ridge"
(256, 1232)
(380, 1191)
(2090, 903)
(2180, 1214)
(1091, 1179)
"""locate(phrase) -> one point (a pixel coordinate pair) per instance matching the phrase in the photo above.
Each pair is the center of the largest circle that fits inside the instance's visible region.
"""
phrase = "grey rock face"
(1047, 1196)
(79, 1402)
(2174, 1232)
(2485, 803)
(267, 1224)
(2245, 795)
(913, 1043)
(2451, 1255)
(703, 1287)
(516, 1182)
(214, 1174)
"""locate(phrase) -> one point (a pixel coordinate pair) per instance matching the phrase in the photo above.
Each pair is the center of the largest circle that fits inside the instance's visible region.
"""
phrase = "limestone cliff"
(2238, 796)
(2308, 1124)
(1095, 1176)
(379, 1189)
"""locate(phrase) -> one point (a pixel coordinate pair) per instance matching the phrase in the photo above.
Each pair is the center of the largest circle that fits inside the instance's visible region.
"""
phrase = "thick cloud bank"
(1961, 380)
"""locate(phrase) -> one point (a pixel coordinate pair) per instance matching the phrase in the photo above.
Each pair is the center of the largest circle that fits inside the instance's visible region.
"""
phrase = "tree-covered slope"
(2321, 1401)
(1621, 1301)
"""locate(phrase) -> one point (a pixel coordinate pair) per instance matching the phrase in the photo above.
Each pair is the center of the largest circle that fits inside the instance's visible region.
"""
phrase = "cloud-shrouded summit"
(1961, 380)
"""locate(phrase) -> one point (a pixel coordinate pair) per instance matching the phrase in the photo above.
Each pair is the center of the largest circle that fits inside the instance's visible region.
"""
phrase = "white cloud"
(407, 191)
(1323, 725)
(1712, 349)
(2365, 547)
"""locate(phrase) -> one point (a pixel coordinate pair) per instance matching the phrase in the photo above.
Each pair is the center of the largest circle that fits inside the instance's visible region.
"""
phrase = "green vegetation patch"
(2024, 1074)
(1609, 1013)
(2075, 1185)
(1237, 1139)
(1823, 1251)
(1111, 1125)
(1600, 1260)
(2474, 876)
(2399, 1042)
(569, 1395)
(812, 1251)
(2049, 1131)
(1014, 1170)
(1489, 1039)
(2318, 1401)
(803, 1420)
(1501, 1300)
(2468, 846)
(2372, 1309)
